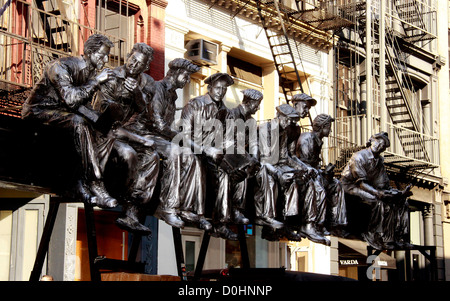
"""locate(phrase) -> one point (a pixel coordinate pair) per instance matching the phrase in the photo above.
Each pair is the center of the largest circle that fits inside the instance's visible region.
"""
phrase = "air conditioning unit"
(202, 52)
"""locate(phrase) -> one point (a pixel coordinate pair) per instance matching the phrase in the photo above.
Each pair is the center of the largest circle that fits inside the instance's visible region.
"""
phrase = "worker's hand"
(131, 84)
(105, 75)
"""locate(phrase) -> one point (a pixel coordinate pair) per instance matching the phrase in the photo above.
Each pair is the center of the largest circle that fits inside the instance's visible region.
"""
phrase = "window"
(5, 243)
(244, 70)
(115, 18)
(246, 76)
(302, 262)
(189, 254)
(112, 242)
(21, 226)
(191, 240)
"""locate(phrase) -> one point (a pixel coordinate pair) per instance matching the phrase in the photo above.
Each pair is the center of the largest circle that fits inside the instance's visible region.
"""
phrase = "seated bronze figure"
(133, 165)
(324, 209)
(384, 209)
(61, 98)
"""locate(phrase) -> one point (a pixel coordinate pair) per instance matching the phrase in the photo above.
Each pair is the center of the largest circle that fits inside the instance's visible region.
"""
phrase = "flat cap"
(180, 63)
(288, 111)
(382, 135)
(304, 97)
(219, 76)
(323, 118)
(252, 94)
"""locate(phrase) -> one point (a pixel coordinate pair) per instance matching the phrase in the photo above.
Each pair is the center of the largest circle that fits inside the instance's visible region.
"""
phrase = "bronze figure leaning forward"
(365, 179)
(61, 98)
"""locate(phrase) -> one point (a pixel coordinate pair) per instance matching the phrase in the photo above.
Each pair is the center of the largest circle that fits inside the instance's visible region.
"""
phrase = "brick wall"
(87, 17)
(156, 38)
(155, 33)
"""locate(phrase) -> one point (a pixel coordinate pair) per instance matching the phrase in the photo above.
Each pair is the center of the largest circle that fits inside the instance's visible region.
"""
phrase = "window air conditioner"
(202, 52)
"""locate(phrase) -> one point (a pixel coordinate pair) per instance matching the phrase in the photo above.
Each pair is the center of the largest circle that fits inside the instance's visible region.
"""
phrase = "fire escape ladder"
(402, 106)
(275, 23)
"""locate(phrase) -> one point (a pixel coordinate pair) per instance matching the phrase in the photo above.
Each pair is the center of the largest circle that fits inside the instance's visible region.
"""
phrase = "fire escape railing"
(406, 21)
(416, 19)
(277, 21)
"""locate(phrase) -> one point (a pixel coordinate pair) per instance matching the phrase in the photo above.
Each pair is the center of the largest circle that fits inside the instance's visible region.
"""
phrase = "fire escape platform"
(6, 85)
(322, 19)
(12, 96)
(309, 26)
(409, 163)
(408, 170)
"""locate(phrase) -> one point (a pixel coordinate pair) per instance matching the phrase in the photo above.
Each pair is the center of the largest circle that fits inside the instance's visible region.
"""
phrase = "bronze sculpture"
(202, 120)
(288, 171)
(138, 131)
(302, 103)
(265, 190)
(324, 206)
(119, 99)
(365, 179)
(312, 190)
(182, 194)
(61, 98)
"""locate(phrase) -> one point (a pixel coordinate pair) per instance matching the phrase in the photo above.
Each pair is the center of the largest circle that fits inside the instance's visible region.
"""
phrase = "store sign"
(348, 261)
(382, 263)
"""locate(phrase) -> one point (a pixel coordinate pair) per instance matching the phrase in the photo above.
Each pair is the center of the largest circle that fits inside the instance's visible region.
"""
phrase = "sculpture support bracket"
(95, 262)
(431, 257)
(204, 249)
(45, 240)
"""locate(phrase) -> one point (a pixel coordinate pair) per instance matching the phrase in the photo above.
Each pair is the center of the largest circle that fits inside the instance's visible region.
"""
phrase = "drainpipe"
(382, 38)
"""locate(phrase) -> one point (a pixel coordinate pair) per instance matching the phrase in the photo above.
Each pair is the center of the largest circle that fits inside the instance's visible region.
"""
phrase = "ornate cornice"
(298, 30)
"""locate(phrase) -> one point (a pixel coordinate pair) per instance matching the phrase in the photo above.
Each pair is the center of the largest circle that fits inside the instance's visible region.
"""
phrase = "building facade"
(389, 66)
(373, 65)
(443, 110)
(32, 33)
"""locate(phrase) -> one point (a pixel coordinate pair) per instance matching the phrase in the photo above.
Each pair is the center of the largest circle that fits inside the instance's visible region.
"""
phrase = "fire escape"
(317, 23)
(386, 39)
(286, 26)
(382, 42)
(34, 34)
(279, 22)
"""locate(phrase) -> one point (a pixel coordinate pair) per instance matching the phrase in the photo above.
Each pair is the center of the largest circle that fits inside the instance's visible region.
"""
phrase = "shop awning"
(353, 252)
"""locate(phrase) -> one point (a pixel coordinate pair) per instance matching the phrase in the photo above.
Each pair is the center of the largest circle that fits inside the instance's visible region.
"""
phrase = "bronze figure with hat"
(202, 119)
(276, 157)
(262, 186)
(324, 207)
(302, 103)
(369, 194)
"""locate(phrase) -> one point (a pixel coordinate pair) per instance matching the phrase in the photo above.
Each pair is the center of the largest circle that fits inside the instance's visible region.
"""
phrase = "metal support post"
(369, 47)
(431, 257)
(136, 242)
(382, 61)
(202, 256)
(243, 244)
(45, 240)
(179, 253)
